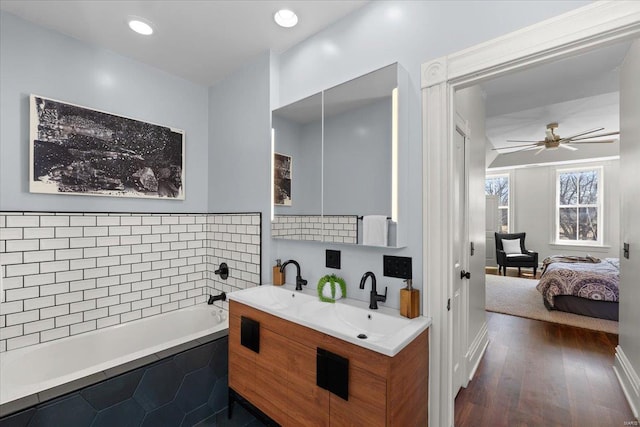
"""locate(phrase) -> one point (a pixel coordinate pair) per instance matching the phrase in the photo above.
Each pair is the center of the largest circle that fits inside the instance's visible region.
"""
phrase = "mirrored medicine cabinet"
(339, 163)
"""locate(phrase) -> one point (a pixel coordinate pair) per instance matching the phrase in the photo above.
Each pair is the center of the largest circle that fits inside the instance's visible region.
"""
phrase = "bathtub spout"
(221, 297)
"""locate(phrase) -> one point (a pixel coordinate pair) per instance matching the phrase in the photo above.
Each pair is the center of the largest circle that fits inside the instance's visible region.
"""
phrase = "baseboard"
(476, 351)
(629, 380)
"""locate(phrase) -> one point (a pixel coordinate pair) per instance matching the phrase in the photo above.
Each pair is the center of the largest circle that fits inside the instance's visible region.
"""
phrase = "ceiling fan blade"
(533, 147)
(517, 146)
(599, 141)
(595, 136)
(567, 147)
(520, 140)
(539, 151)
(581, 133)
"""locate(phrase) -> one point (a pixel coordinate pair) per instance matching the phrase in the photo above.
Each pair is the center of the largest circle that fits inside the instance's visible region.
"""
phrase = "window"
(499, 185)
(579, 201)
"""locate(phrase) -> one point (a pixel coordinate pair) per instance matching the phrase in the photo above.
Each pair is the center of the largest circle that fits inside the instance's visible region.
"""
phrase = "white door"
(460, 263)
(629, 333)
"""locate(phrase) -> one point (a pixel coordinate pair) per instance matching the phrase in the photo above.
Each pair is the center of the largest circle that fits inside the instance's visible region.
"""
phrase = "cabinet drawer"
(309, 404)
(241, 362)
(367, 404)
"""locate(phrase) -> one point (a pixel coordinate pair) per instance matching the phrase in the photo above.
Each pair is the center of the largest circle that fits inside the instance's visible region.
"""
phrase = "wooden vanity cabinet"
(281, 378)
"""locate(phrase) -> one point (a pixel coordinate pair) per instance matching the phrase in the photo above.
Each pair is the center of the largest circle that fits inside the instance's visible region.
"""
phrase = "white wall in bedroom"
(533, 203)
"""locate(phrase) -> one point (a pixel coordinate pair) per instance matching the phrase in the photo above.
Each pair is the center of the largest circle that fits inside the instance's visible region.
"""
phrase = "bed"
(581, 285)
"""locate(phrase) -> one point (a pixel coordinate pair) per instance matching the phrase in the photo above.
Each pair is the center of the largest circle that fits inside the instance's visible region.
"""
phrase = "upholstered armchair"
(511, 252)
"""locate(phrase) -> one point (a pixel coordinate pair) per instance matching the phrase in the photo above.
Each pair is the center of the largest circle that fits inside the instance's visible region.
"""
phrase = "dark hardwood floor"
(543, 374)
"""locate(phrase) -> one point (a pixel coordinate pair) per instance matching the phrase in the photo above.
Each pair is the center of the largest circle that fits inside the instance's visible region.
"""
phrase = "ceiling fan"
(552, 141)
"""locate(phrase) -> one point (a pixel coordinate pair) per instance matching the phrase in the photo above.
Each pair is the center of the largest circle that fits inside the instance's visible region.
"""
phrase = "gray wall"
(240, 146)
(47, 63)
(379, 34)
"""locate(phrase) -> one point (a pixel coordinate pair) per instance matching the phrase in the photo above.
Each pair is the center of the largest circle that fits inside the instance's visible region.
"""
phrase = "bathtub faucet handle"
(220, 297)
(223, 271)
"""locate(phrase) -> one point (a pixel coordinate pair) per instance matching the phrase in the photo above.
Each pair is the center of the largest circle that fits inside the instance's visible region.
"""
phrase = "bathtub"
(30, 370)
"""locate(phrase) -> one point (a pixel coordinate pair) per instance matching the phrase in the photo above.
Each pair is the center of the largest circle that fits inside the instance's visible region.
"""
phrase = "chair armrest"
(534, 254)
(501, 255)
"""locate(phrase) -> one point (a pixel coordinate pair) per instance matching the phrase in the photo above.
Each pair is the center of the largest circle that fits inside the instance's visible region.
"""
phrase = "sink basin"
(382, 330)
(271, 297)
(372, 324)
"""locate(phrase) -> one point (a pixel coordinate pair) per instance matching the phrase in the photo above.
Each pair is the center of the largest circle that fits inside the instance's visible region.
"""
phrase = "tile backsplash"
(327, 228)
(69, 273)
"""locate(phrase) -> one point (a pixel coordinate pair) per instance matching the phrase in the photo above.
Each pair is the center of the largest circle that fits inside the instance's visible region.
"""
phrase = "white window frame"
(508, 206)
(599, 206)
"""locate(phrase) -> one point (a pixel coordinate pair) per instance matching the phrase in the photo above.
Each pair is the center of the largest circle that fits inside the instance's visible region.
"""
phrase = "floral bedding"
(587, 278)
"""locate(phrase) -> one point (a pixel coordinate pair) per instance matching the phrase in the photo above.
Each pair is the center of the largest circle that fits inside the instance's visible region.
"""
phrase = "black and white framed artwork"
(81, 151)
(281, 179)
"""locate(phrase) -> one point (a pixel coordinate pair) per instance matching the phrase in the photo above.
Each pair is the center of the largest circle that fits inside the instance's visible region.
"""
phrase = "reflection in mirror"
(359, 150)
(297, 139)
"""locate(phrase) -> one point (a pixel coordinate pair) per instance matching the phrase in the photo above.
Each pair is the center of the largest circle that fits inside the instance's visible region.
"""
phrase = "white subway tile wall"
(328, 228)
(70, 273)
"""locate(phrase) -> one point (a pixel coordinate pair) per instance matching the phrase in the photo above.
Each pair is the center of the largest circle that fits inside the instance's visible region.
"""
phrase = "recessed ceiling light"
(285, 18)
(140, 26)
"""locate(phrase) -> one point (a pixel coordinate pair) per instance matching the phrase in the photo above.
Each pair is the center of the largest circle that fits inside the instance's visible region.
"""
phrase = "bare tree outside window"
(578, 205)
(499, 185)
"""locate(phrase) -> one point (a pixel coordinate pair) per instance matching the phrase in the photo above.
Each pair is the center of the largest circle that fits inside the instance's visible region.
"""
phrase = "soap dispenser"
(409, 301)
(278, 275)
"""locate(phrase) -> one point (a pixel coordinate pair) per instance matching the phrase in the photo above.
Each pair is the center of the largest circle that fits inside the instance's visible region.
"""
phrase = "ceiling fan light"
(549, 133)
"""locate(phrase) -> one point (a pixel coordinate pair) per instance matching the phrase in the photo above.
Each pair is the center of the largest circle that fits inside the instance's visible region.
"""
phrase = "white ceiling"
(202, 41)
(579, 93)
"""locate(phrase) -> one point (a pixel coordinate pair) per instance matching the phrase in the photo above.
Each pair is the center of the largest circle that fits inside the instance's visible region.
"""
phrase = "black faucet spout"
(374, 297)
(220, 297)
(300, 282)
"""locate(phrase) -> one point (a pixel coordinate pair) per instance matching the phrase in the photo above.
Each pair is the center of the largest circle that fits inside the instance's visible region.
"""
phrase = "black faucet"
(220, 297)
(299, 280)
(373, 296)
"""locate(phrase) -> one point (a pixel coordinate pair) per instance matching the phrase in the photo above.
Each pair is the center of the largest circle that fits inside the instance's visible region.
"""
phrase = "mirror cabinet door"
(297, 169)
(340, 149)
(358, 159)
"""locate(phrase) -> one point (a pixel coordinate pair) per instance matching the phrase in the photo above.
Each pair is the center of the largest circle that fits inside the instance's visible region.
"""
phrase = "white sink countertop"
(386, 331)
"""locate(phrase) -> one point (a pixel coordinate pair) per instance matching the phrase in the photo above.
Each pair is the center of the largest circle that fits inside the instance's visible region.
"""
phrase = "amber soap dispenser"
(278, 276)
(409, 301)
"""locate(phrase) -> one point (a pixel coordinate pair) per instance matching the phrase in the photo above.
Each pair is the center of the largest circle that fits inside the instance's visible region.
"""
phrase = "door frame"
(587, 28)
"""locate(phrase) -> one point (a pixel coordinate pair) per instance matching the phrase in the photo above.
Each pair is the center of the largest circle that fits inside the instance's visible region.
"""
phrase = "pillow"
(511, 246)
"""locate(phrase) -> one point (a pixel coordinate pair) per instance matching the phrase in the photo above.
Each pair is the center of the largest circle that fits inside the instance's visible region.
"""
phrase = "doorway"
(587, 28)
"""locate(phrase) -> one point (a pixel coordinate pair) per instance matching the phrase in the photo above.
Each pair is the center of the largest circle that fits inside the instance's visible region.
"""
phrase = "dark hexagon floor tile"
(113, 391)
(166, 416)
(195, 389)
(220, 357)
(69, 412)
(219, 397)
(158, 386)
(194, 359)
(124, 414)
(198, 415)
(20, 419)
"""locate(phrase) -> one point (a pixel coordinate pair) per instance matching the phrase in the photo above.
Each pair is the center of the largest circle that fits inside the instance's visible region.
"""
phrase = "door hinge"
(473, 249)
(449, 304)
